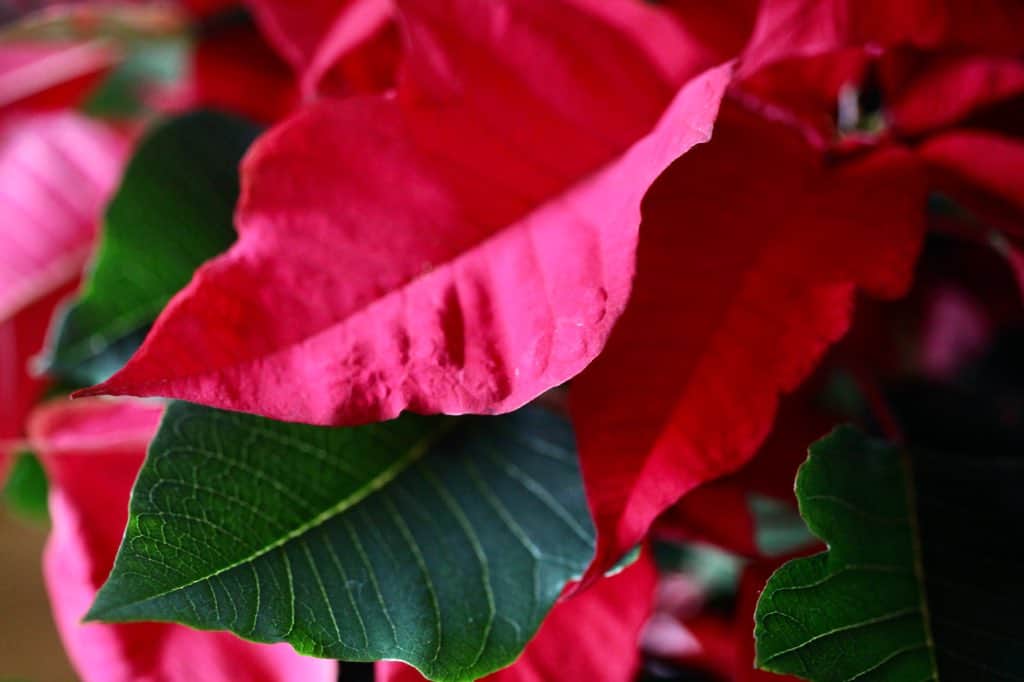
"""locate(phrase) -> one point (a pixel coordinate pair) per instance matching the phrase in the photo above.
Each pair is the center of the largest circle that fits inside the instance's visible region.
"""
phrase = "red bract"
(787, 28)
(460, 248)
(752, 248)
(592, 636)
(56, 172)
(315, 36)
(719, 512)
(931, 90)
(92, 452)
(234, 69)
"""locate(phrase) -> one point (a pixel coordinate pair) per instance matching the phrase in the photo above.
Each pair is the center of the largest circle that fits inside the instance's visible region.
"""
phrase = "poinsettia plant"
(518, 339)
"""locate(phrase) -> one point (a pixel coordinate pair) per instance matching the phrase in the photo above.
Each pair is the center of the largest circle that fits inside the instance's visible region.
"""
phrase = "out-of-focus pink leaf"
(591, 636)
(40, 76)
(56, 172)
(92, 451)
(751, 249)
(460, 248)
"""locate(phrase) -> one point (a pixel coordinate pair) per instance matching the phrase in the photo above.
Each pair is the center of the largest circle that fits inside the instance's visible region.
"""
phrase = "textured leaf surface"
(751, 249)
(589, 636)
(172, 211)
(439, 542)
(428, 251)
(92, 451)
(913, 585)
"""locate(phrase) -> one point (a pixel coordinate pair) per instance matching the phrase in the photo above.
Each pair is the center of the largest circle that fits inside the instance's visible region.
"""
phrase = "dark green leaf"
(172, 212)
(26, 487)
(442, 542)
(922, 577)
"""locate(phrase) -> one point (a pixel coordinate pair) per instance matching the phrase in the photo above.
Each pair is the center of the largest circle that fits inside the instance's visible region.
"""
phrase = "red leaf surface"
(987, 161)
(234, 69)
(314, 35)
(751, 249)
(56, 171)
(205, 8)
(92, 451)
(794, 28)
(460, 248)
(719, 512)
(926, 92)
(592, 636)
(21, 338)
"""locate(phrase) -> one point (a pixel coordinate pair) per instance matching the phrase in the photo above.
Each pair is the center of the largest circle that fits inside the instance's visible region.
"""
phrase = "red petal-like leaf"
(927, 92)
(204, 8)
(92, 451)
(461, 248)
(592, 636)
(751, 249)
(792, 28)
(987, 161)
(21, 338)
(719, 512)
(313, 35)
(234, 69)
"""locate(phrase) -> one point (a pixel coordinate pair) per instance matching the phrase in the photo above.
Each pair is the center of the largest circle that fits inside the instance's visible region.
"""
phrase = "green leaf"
(26, 488)
(442, 542)
(922, 577)
(172, 211)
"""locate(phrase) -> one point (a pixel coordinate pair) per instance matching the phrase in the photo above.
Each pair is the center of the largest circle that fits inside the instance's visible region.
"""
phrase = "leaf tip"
(102, 388)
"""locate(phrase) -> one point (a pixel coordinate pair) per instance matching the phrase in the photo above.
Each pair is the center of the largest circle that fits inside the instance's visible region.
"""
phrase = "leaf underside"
(172, 211)
(921, 578)
(437, 541)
